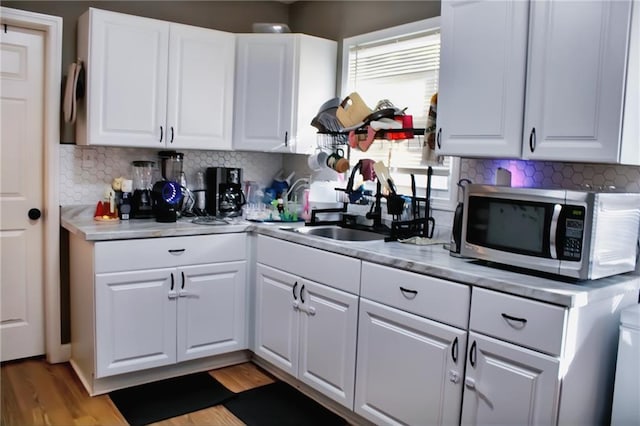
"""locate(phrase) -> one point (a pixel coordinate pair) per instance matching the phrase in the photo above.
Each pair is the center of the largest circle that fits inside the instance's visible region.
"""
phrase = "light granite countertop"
(431, 260)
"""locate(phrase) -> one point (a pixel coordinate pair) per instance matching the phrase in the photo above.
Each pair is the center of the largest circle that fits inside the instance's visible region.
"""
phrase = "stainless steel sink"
(338, 233)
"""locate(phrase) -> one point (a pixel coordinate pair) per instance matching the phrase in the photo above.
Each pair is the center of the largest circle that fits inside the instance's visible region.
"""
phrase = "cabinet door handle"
(182, 286)
(439, 138)
(295, 297)
(161, 133)
(510, 320)
(177, 251)
(409, 294)
(454, 351)
(172, 294)
(301, 294)
(532, 139)
(286, 138)
(171, 141)
(472, 354)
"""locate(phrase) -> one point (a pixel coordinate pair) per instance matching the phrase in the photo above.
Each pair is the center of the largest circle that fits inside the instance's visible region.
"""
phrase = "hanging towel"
(72, 92)
(429, 149)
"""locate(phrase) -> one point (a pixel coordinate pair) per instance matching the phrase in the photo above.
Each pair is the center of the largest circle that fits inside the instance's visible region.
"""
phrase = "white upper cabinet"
(200, 98)
(281, 81)
(576, 80)
(482, 78)
(151, 83)
(543, 80)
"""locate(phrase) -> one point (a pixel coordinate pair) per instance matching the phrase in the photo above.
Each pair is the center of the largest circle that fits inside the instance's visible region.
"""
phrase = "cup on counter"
(318, 160)
(337, 161)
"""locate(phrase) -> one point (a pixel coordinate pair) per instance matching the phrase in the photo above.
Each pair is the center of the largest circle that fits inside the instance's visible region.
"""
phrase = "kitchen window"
(401, 64)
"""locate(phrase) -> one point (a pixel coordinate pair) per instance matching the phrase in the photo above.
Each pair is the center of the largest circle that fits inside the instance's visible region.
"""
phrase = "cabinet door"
(126, 59)
(328, 331)
(507, 384)
(264, 92)
(575, 81)
(211, 309)
(277, 321)
(409, 368)
(135, 320)
(201, 79)
(482, 78)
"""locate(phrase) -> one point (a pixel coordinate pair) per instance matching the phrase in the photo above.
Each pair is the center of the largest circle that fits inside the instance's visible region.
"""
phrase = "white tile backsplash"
(80, 185)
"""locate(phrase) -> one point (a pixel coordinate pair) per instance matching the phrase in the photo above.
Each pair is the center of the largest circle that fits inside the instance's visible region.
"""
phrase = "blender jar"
(171, 165)
(143, 175)
(142, 206)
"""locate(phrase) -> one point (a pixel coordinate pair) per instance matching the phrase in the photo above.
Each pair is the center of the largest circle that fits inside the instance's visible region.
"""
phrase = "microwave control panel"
(572, 230)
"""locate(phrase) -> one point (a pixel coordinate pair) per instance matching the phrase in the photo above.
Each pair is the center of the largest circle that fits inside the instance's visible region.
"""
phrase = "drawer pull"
(176, 251)
(409, 294)
(510, 320)
(454, 351)
(295, 297)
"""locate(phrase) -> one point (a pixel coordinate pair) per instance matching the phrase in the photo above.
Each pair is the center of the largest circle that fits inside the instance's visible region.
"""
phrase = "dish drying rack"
(332, 140)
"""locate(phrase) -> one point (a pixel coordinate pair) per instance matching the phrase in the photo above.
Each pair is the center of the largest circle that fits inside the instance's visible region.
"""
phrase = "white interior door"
(21, 189)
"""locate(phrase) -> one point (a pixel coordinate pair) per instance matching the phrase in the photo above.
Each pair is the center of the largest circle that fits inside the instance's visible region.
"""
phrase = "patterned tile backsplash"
(80, 185)
(546, 174)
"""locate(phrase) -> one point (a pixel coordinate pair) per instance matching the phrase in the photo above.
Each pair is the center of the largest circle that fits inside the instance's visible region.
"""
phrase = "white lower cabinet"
(411, 347)
(304, 327)
(140, 304)
(151, 318)
(410, 369)
(508, 384)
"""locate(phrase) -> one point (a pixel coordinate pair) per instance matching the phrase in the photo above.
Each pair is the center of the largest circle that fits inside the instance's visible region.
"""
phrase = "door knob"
(34, 214)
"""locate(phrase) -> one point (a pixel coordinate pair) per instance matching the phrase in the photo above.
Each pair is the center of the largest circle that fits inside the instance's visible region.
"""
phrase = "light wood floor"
(35, 392)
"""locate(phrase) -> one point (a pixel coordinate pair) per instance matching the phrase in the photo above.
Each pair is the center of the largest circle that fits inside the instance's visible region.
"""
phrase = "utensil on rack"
(383, 175)
(430, 221)
(414, 205)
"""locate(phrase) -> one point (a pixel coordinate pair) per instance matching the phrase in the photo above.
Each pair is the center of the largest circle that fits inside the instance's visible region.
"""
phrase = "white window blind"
(401, 64)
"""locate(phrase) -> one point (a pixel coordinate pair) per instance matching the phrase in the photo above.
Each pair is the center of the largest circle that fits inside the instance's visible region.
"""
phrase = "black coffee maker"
(224, 191)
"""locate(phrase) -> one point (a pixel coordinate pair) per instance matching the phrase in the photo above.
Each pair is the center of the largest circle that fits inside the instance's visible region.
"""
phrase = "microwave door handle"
(557, 208)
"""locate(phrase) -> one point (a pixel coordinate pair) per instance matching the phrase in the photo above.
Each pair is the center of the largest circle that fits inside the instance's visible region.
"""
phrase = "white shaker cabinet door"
(135, 320)
(328, 333)
(264, 92)
(277, 317)
(507, 384)
(575, 81)
(211, 309)
(126, 60)
(409, 370)
(201, 81)
(482, 78)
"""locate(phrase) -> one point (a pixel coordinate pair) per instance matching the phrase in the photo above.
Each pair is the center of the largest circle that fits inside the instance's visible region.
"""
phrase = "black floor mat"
(152, 402)
(279, 404)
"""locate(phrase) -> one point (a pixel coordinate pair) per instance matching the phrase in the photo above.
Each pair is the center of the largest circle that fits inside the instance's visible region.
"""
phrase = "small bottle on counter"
(125, 203)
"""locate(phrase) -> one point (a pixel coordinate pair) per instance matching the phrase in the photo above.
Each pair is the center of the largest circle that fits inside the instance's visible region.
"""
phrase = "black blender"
(168, 193)
(142, 205)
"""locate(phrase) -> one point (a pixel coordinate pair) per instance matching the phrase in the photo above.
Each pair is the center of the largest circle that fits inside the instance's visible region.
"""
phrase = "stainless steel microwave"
(577, 234)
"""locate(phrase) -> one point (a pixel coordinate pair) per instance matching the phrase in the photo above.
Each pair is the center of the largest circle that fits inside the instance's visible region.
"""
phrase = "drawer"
(332, 269)
(528, 323)
(151, 253)
(429, 297)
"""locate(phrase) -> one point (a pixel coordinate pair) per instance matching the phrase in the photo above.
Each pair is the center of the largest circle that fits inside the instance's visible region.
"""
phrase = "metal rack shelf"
(338, 139)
